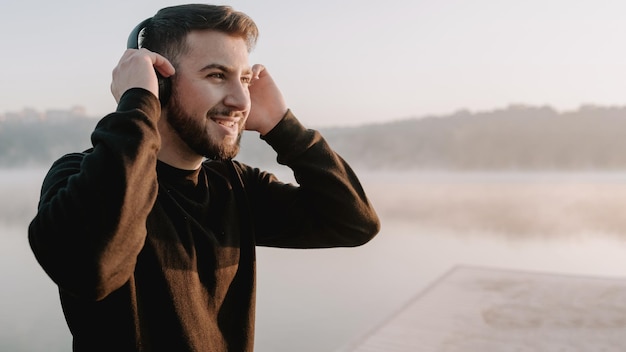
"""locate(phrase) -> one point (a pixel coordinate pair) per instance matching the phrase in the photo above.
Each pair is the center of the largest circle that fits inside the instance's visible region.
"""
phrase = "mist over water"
(322, 300)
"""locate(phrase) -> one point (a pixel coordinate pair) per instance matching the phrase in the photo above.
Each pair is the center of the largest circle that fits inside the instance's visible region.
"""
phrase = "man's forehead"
(211, 47)
(215, 40)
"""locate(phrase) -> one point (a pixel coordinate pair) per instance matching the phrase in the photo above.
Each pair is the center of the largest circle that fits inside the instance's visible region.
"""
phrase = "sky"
(344, 62)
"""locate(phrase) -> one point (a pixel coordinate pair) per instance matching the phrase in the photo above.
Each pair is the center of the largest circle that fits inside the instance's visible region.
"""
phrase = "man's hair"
(167, 31)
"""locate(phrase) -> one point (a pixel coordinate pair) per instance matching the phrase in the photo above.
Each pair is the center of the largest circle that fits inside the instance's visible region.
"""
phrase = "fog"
(322, 300)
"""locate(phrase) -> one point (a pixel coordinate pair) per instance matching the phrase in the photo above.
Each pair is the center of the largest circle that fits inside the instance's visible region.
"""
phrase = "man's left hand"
(268, 105)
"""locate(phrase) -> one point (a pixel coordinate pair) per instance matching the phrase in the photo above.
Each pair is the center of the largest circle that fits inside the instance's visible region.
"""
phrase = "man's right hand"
(136, 70)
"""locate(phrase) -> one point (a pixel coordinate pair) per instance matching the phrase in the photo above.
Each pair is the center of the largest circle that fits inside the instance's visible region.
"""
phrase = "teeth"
(227, 123)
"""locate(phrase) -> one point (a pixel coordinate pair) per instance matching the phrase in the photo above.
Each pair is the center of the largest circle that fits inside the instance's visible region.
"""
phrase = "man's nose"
(238, 96)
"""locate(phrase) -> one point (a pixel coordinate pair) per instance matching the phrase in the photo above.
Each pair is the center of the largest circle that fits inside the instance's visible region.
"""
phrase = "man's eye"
(216, 75)
(246, 80)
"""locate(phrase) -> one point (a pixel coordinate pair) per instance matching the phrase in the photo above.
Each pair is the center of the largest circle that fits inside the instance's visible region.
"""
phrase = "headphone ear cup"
(165, 89)
(165, 84)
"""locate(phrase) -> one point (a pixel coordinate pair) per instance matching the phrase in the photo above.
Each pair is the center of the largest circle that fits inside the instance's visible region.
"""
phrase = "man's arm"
(90, 223)
(329, 208)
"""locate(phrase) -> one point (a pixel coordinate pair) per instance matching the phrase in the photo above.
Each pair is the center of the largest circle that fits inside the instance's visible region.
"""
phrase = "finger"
(256, 70)
(163, 65)
(160, 63)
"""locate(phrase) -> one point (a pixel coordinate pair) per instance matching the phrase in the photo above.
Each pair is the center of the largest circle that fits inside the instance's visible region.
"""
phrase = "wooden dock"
(481, 309)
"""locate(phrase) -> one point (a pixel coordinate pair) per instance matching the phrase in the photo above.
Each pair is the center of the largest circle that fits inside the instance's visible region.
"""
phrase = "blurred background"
(485, 133)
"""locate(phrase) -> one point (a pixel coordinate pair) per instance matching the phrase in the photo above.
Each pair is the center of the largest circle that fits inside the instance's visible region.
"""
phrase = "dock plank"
(486, 309)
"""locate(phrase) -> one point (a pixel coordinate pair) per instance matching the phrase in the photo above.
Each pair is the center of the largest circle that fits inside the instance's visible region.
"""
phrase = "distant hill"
(518, 137)
(38, 143)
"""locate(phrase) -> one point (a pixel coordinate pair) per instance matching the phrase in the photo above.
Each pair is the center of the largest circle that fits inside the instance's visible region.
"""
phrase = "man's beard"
(193, 132)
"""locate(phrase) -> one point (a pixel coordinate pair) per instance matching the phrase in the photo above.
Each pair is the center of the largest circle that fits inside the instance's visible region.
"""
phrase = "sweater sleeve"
(91, 219)
(328, 207)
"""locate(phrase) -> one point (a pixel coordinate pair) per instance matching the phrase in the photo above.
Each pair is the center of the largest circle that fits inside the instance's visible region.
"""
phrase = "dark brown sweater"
(148, 257)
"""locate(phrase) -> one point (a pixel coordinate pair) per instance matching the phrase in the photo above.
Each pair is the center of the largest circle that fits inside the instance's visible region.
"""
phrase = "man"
(150, 235)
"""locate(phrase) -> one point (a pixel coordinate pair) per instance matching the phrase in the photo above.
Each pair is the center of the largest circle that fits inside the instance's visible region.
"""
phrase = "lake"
(322, 300)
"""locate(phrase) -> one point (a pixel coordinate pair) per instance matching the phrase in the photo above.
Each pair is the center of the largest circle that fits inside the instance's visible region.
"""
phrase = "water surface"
(321, 300)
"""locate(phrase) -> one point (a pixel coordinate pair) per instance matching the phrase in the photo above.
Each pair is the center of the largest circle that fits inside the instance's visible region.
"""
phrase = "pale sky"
(344, 62)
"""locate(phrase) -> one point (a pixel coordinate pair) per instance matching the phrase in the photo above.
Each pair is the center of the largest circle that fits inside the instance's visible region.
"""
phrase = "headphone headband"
(133, 38)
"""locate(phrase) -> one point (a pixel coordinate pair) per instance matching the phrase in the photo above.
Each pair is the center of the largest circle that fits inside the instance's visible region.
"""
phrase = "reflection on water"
(31, 318)
(321, 300)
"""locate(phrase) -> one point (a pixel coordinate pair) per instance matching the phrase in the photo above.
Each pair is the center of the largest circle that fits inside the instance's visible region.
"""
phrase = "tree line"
(518, 137)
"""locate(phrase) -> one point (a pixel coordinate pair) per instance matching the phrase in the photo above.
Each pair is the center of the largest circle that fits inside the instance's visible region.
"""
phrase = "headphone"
(165, 83)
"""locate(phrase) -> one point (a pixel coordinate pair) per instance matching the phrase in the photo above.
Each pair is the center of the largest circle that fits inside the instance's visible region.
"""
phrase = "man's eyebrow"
(223, 68)
(215, 66)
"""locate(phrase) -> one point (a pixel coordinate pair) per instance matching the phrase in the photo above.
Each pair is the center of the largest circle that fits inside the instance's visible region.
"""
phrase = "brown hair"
(166, 32)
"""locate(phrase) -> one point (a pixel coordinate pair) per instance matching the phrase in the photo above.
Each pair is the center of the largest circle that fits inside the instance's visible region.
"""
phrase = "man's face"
(210, 100)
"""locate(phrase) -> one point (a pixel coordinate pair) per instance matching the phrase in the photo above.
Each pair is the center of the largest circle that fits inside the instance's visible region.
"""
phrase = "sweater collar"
(177, 176)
